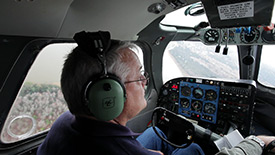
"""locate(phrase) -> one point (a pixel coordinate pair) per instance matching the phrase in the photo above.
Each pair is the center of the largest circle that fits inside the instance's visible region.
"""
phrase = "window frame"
(13, 82)
(41, 81)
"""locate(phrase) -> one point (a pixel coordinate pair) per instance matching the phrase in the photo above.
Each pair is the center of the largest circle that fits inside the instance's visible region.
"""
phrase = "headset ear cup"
(106, 99)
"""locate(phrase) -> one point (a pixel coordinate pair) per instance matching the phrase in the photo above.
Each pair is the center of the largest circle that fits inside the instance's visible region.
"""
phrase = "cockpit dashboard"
(238, 36)
(214, 104)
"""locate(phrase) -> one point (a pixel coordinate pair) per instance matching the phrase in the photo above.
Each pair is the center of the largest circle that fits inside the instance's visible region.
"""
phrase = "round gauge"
(165, 92)
(184, 102)
(198, 93)
(209, 108)
(211, 36)
(210, 95)
(196, 105)
(186, 91)
(250, 37)
(174, 97)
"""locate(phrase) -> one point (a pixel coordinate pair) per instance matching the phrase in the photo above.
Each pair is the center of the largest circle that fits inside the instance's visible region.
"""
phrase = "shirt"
(78, 135)
(246, 147)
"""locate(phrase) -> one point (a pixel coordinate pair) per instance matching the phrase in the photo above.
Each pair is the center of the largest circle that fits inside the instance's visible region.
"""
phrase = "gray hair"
(80, 68)
(115, 65)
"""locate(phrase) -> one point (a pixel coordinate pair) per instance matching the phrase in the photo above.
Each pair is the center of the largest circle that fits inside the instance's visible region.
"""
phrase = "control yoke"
(180, 123)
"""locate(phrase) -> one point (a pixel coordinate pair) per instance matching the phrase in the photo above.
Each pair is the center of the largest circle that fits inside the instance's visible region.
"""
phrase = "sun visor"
(237, 13)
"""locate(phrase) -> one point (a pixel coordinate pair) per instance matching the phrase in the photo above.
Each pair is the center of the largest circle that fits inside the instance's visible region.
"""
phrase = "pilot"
(104, 86)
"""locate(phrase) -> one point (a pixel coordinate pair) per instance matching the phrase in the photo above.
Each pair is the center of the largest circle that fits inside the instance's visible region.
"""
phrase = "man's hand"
(267, 140)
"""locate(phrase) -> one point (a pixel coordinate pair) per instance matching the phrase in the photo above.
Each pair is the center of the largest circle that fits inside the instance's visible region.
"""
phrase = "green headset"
(104, 94)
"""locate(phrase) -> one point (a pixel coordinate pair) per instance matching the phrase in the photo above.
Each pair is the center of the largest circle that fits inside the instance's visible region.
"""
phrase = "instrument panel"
(240, 36)
(199, 101)
(214, 104)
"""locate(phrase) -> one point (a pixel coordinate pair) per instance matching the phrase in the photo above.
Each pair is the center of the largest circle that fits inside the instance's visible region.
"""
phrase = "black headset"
(104, 93)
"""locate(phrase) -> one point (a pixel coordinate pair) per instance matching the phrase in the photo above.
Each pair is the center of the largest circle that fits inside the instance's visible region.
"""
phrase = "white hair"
(114, 63)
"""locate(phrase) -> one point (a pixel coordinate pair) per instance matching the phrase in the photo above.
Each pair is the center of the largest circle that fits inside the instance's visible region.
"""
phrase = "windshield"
(194, 59)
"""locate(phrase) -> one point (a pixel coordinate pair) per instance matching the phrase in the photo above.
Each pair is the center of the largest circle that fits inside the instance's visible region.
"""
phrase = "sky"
(48, 65)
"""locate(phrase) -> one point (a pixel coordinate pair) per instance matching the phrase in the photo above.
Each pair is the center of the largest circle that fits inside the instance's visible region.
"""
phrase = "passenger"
(78, 131)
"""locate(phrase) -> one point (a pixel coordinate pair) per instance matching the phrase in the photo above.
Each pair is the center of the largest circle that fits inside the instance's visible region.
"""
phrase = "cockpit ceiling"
(62, 18)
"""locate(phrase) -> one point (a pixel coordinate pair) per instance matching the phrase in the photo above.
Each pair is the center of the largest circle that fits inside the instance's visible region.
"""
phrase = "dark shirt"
(75, 135)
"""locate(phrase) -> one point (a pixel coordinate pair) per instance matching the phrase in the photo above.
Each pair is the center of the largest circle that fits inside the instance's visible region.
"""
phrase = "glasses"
(143, 78)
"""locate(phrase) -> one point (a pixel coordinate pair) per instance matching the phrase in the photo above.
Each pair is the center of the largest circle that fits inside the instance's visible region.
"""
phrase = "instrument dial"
(184, 102)
(165, 92)
(211, 36)
(250, 37)
(198, 93)
(209, 108)
(210, 95)
(186, 91)
(196, 105)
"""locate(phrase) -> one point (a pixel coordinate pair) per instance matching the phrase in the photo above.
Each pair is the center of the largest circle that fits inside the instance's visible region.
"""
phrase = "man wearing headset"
(107, 73)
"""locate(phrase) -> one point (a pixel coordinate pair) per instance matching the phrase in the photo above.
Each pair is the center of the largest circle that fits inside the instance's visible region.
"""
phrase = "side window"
(40, 100)
(194, 59)
(267, 66)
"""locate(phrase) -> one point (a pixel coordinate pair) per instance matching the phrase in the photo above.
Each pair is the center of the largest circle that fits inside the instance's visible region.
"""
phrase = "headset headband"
(95, 44)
